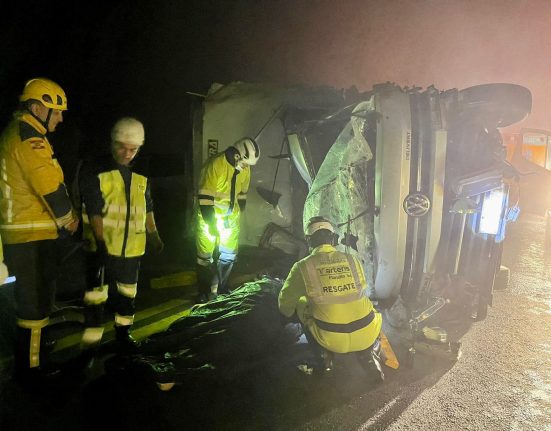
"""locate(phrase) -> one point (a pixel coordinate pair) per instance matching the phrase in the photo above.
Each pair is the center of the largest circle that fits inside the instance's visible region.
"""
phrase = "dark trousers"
(117, 270)
(34, 265)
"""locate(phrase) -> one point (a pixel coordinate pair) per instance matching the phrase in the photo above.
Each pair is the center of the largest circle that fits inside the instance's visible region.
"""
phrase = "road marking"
(380, 413)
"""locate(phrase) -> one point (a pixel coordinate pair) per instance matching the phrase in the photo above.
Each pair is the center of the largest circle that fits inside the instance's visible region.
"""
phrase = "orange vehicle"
(529, 151)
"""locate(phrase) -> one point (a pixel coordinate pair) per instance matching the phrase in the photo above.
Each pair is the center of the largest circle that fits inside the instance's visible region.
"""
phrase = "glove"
(156, 242)
(102, 253)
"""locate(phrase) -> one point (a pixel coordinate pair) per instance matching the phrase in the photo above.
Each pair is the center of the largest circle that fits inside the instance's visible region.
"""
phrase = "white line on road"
(373, 420)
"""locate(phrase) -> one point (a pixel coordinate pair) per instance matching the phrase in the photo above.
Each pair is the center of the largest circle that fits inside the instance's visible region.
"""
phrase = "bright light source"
(490, 218)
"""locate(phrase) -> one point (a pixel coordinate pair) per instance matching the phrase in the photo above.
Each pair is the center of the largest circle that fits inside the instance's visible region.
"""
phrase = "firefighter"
(118, 220)
(223, 187)
(35, 209)
(328, 292)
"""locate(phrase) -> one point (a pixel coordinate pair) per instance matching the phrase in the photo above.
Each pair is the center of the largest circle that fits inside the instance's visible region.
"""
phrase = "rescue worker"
(328, 292)
(35, 209)
(118, 219)
(223, 187)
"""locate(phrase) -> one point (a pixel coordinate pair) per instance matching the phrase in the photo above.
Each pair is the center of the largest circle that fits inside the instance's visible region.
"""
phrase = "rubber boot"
(30, 366)
(125, 341)
(223, 270)
(204, 281)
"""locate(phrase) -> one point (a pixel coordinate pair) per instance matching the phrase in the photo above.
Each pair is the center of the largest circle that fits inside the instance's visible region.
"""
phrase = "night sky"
(141, 57)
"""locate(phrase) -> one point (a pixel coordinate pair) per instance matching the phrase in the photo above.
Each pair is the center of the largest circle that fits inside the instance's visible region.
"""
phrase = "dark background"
(141, 58)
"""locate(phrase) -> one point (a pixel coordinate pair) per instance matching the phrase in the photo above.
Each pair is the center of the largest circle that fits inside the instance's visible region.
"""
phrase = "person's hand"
(101, 252)
(156, 242)
(72, 227)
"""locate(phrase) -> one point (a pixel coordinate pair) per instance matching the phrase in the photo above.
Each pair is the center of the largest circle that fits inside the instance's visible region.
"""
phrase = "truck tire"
(502, 278)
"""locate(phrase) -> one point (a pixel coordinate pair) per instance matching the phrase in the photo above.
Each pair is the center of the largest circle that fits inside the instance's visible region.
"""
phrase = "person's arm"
(208, 184)
(291, 292)
(35, 159)
(242, 196)
(153, 236)
(96, 223)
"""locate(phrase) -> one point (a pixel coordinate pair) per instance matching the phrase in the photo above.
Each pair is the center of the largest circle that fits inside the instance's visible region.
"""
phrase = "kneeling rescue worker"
(328, 292)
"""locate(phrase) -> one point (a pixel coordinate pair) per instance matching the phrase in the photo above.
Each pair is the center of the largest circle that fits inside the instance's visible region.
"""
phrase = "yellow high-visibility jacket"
(217, 186)
(124, 216)
(34, 202)
(327, 289)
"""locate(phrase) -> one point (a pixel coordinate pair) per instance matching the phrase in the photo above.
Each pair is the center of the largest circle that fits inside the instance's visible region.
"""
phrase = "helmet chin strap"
(44, 123)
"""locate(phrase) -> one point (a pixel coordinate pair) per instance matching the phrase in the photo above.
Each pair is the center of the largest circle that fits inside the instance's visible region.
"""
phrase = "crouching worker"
(327, 291)
(117, 221)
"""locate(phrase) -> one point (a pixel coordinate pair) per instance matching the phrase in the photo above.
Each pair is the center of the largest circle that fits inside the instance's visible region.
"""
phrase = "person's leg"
(34, 266)
(94, 300)
(204, 244)
(229, 242)
(124, 273)
(321, 357)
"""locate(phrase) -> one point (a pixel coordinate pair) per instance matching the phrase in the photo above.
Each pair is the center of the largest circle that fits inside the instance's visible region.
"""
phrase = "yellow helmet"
(46, 92)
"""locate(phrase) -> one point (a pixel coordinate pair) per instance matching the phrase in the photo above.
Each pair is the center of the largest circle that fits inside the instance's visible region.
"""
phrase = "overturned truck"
(415, 180)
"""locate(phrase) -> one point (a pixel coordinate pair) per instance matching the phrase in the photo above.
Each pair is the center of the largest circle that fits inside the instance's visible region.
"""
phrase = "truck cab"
(416, 180)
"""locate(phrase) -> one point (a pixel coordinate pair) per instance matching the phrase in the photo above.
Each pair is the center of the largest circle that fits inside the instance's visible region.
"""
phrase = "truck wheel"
(502, 278)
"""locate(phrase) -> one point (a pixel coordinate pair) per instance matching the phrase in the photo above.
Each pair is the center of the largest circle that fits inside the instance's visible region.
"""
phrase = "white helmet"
(248, 150)
(128, 131)
(318, 223)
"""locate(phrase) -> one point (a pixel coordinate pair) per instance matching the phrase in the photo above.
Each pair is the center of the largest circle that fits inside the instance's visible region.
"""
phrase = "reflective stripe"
(127, 290)
(92, 336)
(209, 202)
(96, 296)
(354, 270)
(32, 225)
(7, 192)
(32, 324)
(123, 320)
(346, 328)
(34, 344)
(214, 194)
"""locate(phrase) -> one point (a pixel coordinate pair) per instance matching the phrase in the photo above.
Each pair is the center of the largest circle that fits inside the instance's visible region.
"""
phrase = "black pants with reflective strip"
(34, 265)
(117, 269)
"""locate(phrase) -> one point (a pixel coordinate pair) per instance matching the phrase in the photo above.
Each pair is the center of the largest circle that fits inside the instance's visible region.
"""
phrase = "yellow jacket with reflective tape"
(118, 240)
(215, 184)
(328, 288)
(28, 172)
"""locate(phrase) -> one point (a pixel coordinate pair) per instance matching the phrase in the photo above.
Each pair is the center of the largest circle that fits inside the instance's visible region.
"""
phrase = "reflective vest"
(332, 278)
(221, 185)
(29, 171)
(339, 314)
(124, 229)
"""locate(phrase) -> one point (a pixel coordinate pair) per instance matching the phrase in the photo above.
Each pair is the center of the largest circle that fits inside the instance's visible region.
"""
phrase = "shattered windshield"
(342, 190)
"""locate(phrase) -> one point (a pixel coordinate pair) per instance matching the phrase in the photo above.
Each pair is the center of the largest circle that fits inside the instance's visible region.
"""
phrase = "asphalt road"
(502, 380)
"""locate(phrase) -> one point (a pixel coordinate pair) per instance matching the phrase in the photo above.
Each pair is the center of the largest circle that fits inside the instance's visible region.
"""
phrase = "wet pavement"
(502, 381)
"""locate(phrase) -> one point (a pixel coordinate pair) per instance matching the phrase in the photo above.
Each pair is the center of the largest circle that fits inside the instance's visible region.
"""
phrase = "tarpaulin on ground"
(223, 337)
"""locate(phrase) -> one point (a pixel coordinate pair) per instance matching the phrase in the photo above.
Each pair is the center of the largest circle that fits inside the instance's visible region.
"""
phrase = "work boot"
(223, 271)
(126, 342)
